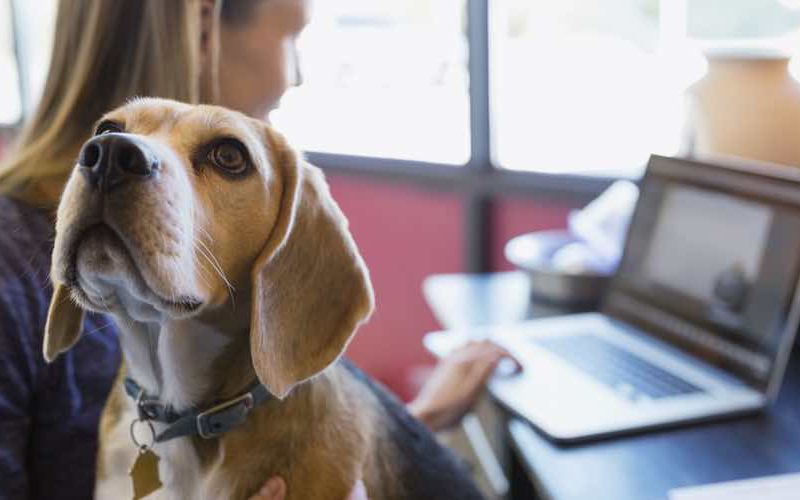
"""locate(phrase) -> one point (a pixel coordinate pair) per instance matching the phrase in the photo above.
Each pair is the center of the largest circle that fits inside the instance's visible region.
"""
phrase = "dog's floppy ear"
(64, 323)
(311, 289)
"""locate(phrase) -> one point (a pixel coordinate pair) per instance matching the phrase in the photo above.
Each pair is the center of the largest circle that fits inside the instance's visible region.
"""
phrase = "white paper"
(785, 487)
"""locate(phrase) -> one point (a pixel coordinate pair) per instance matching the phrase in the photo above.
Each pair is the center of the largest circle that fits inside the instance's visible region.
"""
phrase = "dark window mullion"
(480, 123)
(477, 203)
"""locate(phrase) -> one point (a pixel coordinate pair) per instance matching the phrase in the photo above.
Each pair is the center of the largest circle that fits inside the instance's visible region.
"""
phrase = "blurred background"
(449, 126)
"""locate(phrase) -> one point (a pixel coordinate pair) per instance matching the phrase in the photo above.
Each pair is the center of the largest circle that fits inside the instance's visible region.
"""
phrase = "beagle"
(236, 287)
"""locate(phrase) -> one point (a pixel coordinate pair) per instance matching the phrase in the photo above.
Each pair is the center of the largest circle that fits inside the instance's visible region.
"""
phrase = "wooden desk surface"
(639, 467)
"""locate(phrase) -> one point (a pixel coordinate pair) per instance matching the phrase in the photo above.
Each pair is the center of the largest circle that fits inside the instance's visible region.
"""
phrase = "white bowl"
(533, 253)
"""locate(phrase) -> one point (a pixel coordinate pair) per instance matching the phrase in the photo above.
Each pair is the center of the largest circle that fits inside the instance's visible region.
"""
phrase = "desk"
(639, 467)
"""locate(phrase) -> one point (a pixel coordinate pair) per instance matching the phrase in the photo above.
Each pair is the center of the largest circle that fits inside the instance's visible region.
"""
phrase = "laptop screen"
(711, 263)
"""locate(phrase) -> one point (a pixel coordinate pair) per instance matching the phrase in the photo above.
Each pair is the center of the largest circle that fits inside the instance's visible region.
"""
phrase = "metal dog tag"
(144, 474)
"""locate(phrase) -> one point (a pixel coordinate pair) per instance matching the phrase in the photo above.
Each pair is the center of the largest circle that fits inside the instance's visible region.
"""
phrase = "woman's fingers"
(456, 383)
(480, 373)
(273, 489)
(359, 492)
(486, 349)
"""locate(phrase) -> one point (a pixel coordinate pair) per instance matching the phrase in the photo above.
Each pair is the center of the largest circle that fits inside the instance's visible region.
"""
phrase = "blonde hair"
(104, 53)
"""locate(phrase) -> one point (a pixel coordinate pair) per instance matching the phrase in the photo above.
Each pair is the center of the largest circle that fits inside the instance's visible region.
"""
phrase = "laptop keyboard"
(626, 373)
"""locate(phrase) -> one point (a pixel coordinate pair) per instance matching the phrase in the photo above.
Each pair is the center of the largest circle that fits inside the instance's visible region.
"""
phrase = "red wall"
(405, 233)
(514, 216)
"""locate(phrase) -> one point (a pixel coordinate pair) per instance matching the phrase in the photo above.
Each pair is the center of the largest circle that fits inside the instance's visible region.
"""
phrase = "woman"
(235, 53)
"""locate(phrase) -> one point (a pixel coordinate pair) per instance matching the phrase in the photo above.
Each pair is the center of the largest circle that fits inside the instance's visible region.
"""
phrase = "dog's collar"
(207, 423)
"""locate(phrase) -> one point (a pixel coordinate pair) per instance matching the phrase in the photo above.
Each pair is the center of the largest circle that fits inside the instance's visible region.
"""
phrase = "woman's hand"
(456, 383)
(275, 489)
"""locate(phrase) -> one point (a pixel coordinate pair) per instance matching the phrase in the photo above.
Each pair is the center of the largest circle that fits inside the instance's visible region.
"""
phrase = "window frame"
(480, 180)
(481, 173)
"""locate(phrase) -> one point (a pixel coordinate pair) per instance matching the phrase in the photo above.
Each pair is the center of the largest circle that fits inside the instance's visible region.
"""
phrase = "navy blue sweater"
(48, 413)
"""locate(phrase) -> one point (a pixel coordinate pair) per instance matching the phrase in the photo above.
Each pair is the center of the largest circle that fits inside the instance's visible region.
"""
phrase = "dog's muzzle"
(113, 159)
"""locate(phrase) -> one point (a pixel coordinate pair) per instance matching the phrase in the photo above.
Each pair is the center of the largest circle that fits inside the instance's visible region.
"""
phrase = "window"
(743, 19)
(36, 22)
(579, 87)
(10, 100)
(383, 78)
(595, 86)
(24, 55)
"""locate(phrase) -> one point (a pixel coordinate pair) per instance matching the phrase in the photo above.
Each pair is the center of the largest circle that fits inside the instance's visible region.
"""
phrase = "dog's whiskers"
(107, 325)
(206, 234)
(203, 273)
(103, 303)
(206, 252)
(211, 255)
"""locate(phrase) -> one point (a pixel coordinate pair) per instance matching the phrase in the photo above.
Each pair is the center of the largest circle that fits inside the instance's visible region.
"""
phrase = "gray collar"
(207, 423)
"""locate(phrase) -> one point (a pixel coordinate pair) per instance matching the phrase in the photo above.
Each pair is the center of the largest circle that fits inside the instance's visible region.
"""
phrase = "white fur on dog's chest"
(184, 352)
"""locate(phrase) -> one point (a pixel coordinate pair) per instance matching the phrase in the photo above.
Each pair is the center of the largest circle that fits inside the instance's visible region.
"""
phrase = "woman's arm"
(16, 389)
(456, 383)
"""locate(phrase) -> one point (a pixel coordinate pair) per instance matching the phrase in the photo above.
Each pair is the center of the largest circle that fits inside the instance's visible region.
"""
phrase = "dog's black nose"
(110, 160)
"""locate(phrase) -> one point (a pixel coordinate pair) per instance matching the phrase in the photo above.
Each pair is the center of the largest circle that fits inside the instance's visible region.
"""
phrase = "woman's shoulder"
(19, 218)
(25, 243)
(25, 247)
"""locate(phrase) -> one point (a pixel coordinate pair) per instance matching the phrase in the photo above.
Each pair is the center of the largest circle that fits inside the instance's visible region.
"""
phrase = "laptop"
(698, 321)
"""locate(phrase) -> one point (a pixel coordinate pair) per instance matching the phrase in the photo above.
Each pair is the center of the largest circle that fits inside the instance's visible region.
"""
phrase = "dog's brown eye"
(108, 127)
(229, 156)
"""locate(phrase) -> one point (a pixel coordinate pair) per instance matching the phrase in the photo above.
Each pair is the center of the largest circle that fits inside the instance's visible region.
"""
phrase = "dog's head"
(172, 207)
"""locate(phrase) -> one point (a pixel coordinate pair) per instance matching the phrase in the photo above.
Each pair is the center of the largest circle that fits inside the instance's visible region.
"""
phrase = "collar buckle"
(219, 419)
(208, 424)
(149, 410)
